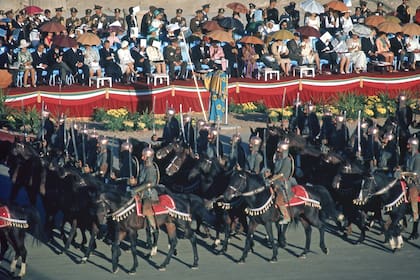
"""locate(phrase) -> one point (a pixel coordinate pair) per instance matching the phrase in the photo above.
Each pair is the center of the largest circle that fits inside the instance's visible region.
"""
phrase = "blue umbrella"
(232, 23)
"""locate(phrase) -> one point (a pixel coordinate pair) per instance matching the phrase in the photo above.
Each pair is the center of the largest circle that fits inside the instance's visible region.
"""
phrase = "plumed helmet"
(170, 111)
(373, 130)
(201, 124)
(212, 133)
(94, 134)
(236, 137)
(126, 146)
(187, 118)
(148, 152)
(402, 97)
(283, 146)
(102, 140)
(255, 141)
(45, 113)
(413, 141)
(364, 125)
(389, 136)
(339, 118)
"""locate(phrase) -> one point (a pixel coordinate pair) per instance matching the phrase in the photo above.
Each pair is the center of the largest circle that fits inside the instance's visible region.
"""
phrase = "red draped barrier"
(78, 101)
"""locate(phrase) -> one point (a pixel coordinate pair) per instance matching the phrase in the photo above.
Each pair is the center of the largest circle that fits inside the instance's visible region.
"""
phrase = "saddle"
(4, 213)
(160, 208)
(300, 196)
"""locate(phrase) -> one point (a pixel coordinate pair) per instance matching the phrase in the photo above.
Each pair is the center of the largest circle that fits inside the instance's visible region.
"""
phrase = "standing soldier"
(282, 178)
(170, 130)
(148, 180)
(58, 16)
(146, 20)
(195, 22)
(255, 159)
(87, 19)
(117, 17)
(413, 165)
(73, 21)
(237, 153)
(206, 9)
(99, 20)
(182, 22)
(220, 14)
(404, 116)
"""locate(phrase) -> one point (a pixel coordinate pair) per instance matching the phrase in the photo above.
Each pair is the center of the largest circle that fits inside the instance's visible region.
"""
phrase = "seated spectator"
(358, 18)
(200, 54)
(126, 62)
(92, 61)
(217, 55)
(369, 46)
(267, 28)
(48, 40)
(39, 62)
(235, 65)
(357, 56)
(25, 63)
(156, 56)
(250, 57)
(113, 38)
(138, 53)
(109, 63)
(399, 48)
(346, 23)
(55, 62)
(313, 21)
(75, 59)
(383, 45)
(309, 56)
(173, 58)
(413, 48)
(326, 51)
(281, 54)
(295, 52)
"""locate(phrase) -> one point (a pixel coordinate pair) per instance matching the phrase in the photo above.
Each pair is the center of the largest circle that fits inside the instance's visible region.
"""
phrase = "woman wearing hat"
(383, 45)
(156, 56)
(357, 56)
(92, 61)
(126, 61)
(25, 63)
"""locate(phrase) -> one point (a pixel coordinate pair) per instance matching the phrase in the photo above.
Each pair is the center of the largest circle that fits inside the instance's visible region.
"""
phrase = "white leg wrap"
(153, 252)
(13, 266)
(22, 270)
(400, 242)
(392, 243)
(217, 242)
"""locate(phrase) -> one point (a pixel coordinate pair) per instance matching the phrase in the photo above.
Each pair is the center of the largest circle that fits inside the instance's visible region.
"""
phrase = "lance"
(218, 137)
(195, 136)
(84, 133)
(282, 105)
(359, 128)
(44, 148)
(297, 103)
(73, 139)
(153, 111)
(345, 128)
(265, 148)
(189, 128)
(181, 119)
(130, 158)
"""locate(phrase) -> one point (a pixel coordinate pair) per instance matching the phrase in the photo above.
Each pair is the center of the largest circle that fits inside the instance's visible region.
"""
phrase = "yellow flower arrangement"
(381, 110)
(141, 125)
(273, 114)
(159, 122)
(117, 113)
(10, 118)
(128, 123)
(369, 112)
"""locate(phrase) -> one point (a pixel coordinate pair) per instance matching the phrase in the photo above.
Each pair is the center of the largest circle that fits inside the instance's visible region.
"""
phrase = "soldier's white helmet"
(126, 146)
(212, 133)
(389, 136)
(255, 141)
(170, 112)
(236, 137)
(148, 152)
(373, 130)
(102, 140)
(413, 141)
(283, 145)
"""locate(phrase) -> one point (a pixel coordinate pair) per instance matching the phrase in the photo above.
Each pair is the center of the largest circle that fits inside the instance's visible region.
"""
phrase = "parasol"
(237, 7)
(251, 40)
(53, 27)
(312, 6)
(89, 38)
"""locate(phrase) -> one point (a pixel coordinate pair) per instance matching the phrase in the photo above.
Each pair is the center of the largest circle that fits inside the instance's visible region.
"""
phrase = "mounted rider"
(413, 166)
(311, 127)
(102, 159)
(340, 138)
(237, 154)
(147, 181)
(404, 116)
(170, 130)
(214, 146)
(255, 159)
(388, 158)
(282, 178)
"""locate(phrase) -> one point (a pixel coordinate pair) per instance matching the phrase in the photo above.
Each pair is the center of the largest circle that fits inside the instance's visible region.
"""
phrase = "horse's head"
(106, 203)
(181, 154)
(238, 183)
(165, 151)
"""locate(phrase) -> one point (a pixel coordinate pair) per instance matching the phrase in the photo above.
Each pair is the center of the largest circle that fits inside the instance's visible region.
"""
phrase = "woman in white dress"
(313, 21)
(309, 56)
(92, 61)
(281, 54)
(346, 23)
(413, 46)
(156, 56)
(126, 61)
(357, 56)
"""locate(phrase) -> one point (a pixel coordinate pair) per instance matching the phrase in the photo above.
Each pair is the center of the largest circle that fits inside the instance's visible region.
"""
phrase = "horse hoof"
(282, 244)
(83, 260)
(325, 250)
(273, 260)
(194, 267)
(302, 256)
(162, 268)
(241, 261)
(115, 270)
(175, 252)
(413, 236)
(132, 272)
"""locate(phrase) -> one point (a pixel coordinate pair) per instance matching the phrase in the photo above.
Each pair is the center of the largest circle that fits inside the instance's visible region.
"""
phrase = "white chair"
(304, 70)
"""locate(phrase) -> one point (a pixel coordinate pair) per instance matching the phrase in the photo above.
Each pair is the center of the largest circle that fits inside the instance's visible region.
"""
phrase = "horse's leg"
(91, 246)
(189, 233)
(249, 237)
(115, 248)
(23, 253)
(155, 235)
(269, 229)
(12, 238)
(281, 232)
(149, 242)
(227, 220)
(132, 236)
(308, 233)
(72, 233)
(317, 222)
(171, 229)
(415, 232)
(4, 245)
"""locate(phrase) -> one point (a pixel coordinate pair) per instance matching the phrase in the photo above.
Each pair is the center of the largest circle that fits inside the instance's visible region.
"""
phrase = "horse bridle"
(236, 191)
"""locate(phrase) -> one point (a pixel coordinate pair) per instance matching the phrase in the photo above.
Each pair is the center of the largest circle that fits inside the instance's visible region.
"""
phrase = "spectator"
(399, 48)
(200, 54)
(138, 53)
(39, 62)
(413, 49)
(404, 12)
(250, 57)
(309, 56)
(313, 21)
(383, 45)
(272, 13)
(173, 58)
(295, 52)
(146, 21)
(281, 54)
(217, 55)
(25, 64)
(195, 22)
(74, 58)
(126, 61)
(92, 61)
(357, 56)
(108, 62)
(55, 62)
(48, 40)
(358, 18)
(156, 56)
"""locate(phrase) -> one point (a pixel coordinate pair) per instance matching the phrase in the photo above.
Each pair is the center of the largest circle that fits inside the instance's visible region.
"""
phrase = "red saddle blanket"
(165, 202)
(4, 213)
(298, 191)
(405, 190)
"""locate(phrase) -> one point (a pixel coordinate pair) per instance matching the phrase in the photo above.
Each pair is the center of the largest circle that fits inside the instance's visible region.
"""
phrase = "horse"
(262, 210)
(392, 195)
(26, 170)
(15, 221)
(127, 222)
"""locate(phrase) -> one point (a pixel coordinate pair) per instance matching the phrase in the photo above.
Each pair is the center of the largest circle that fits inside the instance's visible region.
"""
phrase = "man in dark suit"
(146, 21)
(138, 53)
(399, 48)
(108, 62)
(39, 62)
(326, 51)
(295, 52)
(74, 58)
(173, 57)
(369, 46)
(55, 61)
(200, 54)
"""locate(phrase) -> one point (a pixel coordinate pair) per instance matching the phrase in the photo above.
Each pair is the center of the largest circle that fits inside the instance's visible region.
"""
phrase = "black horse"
(13, 231)
(392, 195)
(127, 223)
(262, 210)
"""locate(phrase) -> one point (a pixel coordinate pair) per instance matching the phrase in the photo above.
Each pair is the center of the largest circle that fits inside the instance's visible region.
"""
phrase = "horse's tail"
(328, 209)
(35, 225)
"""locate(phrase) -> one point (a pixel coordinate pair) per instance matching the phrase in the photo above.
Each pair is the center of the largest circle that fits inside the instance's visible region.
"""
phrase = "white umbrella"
(116, 24)
(312, 6)
(361, 30)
